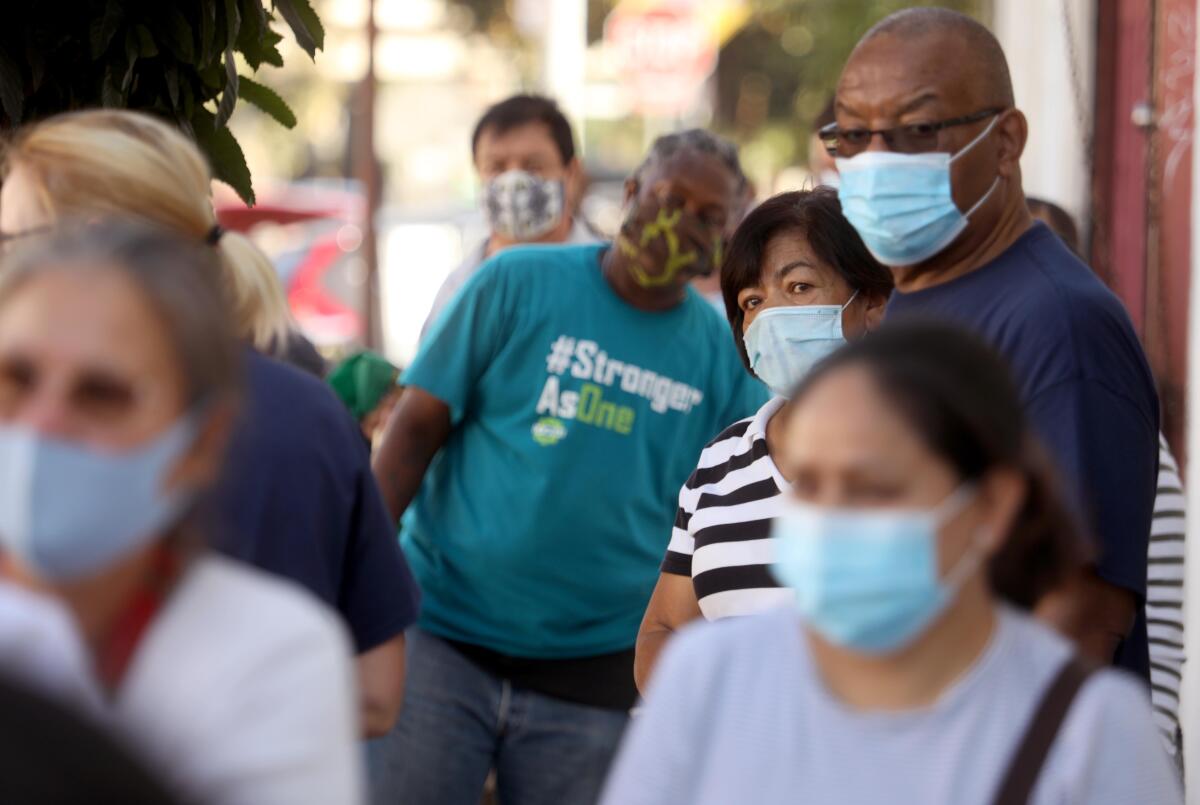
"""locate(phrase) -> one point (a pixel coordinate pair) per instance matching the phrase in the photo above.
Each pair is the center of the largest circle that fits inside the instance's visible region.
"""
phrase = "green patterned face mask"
(662, 243)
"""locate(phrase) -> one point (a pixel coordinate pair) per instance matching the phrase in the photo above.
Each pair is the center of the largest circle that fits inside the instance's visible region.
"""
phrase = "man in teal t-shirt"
(550, 418)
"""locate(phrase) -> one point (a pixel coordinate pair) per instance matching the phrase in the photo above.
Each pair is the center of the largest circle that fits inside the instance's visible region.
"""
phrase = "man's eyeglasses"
(913, 138)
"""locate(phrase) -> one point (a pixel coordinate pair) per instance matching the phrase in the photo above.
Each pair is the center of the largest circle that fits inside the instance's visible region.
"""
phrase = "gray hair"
(699, 140)
(178, 277)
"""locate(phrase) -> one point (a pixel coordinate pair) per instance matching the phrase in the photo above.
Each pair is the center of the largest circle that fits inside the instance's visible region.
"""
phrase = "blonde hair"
(126, 164)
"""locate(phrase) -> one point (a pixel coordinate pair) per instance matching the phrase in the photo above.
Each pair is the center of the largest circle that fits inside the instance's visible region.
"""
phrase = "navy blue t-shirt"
(298, 500)
(1087, 388)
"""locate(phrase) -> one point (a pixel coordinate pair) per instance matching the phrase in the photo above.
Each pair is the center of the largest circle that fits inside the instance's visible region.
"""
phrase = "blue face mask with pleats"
(784, 343)
(867, 579)
(68, 510)
(902, 205)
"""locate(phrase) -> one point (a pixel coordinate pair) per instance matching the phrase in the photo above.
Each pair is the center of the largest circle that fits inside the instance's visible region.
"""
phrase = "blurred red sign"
(666, 53)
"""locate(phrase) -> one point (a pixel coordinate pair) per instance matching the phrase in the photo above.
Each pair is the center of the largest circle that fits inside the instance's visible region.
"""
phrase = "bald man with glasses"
(928, 143)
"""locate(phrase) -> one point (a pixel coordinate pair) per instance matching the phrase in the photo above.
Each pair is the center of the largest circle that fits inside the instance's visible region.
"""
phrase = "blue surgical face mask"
(903, 204)
(68, 510)
(784, 343)
(867, 579)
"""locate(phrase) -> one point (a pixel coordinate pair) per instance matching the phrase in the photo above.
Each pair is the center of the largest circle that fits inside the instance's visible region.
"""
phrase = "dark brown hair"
(519, 110)
(815, 215)
(957, 395)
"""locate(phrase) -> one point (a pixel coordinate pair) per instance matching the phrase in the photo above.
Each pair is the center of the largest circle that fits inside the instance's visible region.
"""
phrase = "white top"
(736, 713)
(722, 534)
(241, 693)
(40, 647)
(1165, 579)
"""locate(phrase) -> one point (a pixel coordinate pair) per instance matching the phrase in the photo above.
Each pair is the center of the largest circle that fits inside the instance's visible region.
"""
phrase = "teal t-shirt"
(541, 523)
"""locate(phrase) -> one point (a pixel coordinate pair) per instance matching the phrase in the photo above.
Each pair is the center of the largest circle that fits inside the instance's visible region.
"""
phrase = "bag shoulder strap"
(1026, 764)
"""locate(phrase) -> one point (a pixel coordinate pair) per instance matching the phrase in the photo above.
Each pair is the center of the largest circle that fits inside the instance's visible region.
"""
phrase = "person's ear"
(631, 190)
(1002, 494)
(202, 465)
(874, 306)
(1012, 133)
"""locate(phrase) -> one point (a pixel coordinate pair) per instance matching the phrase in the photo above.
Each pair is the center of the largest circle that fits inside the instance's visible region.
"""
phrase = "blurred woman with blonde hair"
(109, 162)
(297, 497)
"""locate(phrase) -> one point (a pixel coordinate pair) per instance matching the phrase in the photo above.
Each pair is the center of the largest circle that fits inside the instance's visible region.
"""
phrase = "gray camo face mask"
(522, 207)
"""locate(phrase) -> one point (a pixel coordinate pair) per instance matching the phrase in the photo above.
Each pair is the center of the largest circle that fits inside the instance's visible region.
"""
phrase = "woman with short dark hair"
(921, 526)
(797, 281)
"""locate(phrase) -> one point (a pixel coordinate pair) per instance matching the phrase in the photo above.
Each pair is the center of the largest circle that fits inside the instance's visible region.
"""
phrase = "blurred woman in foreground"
(921, 528)
(118, 386)
(797, 282)
(297, 497)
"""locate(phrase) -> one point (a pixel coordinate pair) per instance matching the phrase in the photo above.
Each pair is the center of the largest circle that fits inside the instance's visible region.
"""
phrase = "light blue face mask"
(68, 511)
(867, 580)
(903, 204)
(784, 343)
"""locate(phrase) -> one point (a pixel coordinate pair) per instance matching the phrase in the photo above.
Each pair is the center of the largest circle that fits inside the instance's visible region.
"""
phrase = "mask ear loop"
(995, 183)
(978, 138)
(973, 556)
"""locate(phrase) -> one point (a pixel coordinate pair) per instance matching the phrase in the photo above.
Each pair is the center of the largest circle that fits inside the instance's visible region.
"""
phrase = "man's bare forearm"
(1096, 615)
(417, 429)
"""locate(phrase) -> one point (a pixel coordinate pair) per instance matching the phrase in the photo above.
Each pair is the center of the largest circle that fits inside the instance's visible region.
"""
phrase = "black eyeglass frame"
(830, 133)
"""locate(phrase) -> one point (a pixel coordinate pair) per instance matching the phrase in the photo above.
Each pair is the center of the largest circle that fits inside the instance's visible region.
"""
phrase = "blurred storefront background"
(758, 71)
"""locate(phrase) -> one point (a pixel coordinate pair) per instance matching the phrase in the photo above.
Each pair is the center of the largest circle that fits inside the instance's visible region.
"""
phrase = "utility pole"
(367, 173)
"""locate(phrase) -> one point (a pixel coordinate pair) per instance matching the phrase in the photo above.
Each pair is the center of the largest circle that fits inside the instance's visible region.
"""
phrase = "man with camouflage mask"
(565, 393)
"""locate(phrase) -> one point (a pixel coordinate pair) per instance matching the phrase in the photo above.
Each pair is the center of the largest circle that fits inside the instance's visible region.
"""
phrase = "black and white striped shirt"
(1164, 595)
(722, 534)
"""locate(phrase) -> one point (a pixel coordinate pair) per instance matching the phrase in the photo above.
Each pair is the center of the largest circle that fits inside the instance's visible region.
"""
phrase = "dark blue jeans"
(459, 722)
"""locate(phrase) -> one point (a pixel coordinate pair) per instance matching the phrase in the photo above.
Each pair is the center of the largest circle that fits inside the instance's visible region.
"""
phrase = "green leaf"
(12, 90)
(267, 49)
(233, 22)
(179, 35)
(111, 96)
(250, 35)
(187, 98)
(103, 28)
(147, 47)
(305, 24)
(131, 55)
(208, 32)
(224, 153)
(229, 95)
(213, 77)
(267, 100)
(186, 125)
(171, 77)
(254, 14)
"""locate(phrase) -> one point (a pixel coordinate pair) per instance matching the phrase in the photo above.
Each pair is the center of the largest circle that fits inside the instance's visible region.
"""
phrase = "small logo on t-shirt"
(548, 431)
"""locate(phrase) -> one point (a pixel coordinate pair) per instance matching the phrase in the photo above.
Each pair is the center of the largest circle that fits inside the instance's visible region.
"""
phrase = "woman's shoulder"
(739, 433)
(730, 646)
(1108, 750)
(240, 605)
